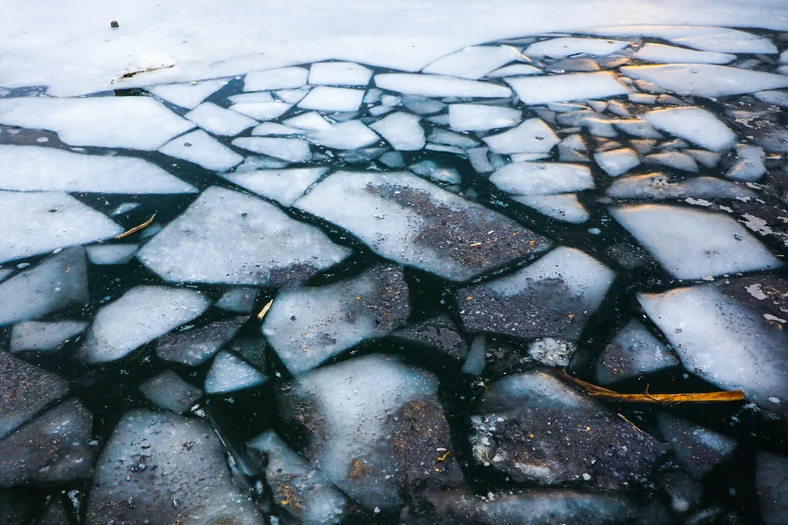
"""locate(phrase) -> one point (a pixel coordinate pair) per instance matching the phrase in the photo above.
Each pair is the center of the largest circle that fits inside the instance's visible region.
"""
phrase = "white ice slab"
(168, 391)
(38, 336)
(283, 78)
(696, 125)
(219, 121)
(283, 186)
(229, 237)
(230, 373)
(706, 80)
(658, 186)
(352, 134)
(272, 128)
(705, 38)
(632, 352)
(778, 98)
(190, 94)
(402, 130)
(339, 74)
(568, 46)
(562, 88)
(253, 97)
(202, 149)
(442, 136)
(310, 121)
(532, 136)
(325, 98)
(31, 168)
(693, 244)
(660, 53)
(474, 62)
(36, 223)
(139, 316)
(57, 283)
(262, 110)
(439, 86)
(673, 159)
(749, 165)
(238, 299)
(293, 150)
(111, 253)
(110, 122)
(515, 70)
(723, 341)
(436, 172)
(480, 117)
(563, 207)
(542, 178)
(617, 161)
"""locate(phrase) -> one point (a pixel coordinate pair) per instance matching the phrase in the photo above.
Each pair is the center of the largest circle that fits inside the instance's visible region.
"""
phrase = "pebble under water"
(348, 295)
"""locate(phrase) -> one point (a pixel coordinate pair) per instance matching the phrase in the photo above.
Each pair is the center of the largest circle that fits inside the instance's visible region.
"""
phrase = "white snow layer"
(111, 122)
(474, 62)
(32, 168)
(190, 94)
(693, 244)
(562, 88)
(706, 80)
(202, 149)
(696, 125)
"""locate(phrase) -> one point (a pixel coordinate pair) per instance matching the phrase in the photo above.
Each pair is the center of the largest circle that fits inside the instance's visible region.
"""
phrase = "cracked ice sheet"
(36, 223)
(693, 244)
(111, 122)
(32, 168)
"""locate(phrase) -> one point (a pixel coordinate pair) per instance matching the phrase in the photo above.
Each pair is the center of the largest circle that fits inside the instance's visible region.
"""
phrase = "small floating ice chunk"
(568, 46)
(272, 128)
(168, 391)
(436, 172)
(311, 121)
(659, 186)
(443, 136)
(771, 481)
(239, 300)
(402, 130)
(111, 253)
(31, 168)
(693, 244)
(306, 326)
(57, 283)
(661, 53)
(345, 135)
(229, 373)
(696, 125)
(124, 208)
(254, 97)
(749, 164)
(262, 110)
(193, 347)
(698, 449)
(563, 207)
(293, 150)
(35, 336)
(777, 98)
(202, 149)
(283, 186)
(480, 117)
(325, 98)
(515, 70)
(617, 161)
(638, 128)
(475, 360)
(704, 38)
(439, 86)
(219, 121)
(111, 122)
(673, 159)
(561, 88)
(140, 315)
(706, 80)
(557, 506)
(188, 95)
(339, 74)
(542, 178)
(422, 106)
(283, 78)
(532, 136)
(474, 62)
(633, 351)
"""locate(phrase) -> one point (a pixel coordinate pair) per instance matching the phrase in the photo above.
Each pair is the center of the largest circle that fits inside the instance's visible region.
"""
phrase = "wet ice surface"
(360, 283)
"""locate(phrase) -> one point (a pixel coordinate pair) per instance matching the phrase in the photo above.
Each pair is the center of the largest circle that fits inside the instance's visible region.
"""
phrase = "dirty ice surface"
(329, 284)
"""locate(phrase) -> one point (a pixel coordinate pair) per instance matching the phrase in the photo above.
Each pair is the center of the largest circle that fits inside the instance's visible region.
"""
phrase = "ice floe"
(480, 117)
(439, 86)
(532, 136)
(293, 150)
(111, 253)
(283, 186)
(218, 120)
(190, 94)
(474, 62)
(283, 78)
(696, 125)
(704, 38)
(139, 316)
(436, 172)
(562, 88)
(111, 122)
(232, 238)
(563, 207)
(262, 110)
(749, 165)
(168, 391)
(402, 130)
(658, 186)
(661, 53)
(673, 159)
(706, 80)
(568, 46)
(339, 74)
(239, 300)
(39, 336)
(229, 373)
(698, 449)
(632, 352)
(542, 178)
(618, 161)
(324, 98)
(413, 222)
(307, 326)
(693, 244)
(515, 70)
(193, 347)
(352, 134)
(201, 149)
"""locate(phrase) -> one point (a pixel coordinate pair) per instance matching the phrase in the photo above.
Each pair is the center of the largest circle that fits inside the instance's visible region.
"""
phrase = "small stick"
(265, 310)
(660, 399)
(136, 228)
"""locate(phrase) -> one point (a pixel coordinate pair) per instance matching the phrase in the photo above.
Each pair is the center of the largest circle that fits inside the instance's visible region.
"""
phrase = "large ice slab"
(542, 178)
(724, 341)
(110, 122)
(705, 38)
(57, 283)
(693, 244)
(202, 149)
(696, 125)
(139, 316)
(706, 80)
(218, 120)
(232, 238)
(553, 297)
(532, 136)
(562, 88)
(408, 220)
(439, 86)
(474, 62)
(339, 74)
(30, 168)
(181, 475)
(190, 94)
(36, 223)
(307, 326)
(480, 117)
(283, 186)
(402, 130)
(568, 46)
(661, 53)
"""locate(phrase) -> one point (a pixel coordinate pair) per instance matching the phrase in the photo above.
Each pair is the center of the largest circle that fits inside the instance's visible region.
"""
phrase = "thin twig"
(136, 228)
(265, 310)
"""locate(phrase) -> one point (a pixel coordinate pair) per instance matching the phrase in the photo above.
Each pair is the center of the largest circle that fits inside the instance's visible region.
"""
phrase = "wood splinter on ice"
(136, 228)
(661, 399)
(265, 310)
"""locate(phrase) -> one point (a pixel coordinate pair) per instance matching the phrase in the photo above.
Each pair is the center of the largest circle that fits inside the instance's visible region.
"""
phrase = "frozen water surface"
(562, 207)
(532, 136)
(332, 99)
(44, 336)
(262, 110)
(633, 351)
(292, 150)
(218, 120)
(229, 373)
(168, 391)
(283, 78)
(402, 130)
(704, 38)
